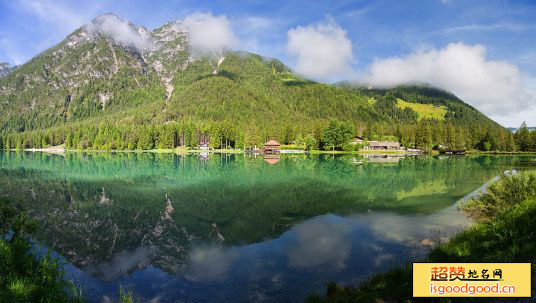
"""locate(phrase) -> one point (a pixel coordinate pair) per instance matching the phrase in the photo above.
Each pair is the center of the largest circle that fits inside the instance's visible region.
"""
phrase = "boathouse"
(271, 147)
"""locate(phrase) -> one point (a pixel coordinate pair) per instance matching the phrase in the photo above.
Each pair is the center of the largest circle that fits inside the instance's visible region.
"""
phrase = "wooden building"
(271, 147)
(358, 140)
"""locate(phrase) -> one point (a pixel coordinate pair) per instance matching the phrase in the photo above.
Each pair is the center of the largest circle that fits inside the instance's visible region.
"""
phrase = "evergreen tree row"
(334, 135)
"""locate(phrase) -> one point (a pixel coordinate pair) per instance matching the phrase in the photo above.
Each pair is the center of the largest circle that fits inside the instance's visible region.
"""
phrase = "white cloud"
(494, 87)
(209, 33)
(322, 51)
(528, 114)
(121, 31)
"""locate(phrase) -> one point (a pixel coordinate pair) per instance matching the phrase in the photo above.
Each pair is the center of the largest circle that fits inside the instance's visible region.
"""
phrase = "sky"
(482, 51)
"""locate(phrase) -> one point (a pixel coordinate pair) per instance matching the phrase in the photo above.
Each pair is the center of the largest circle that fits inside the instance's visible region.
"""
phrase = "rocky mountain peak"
(120, 32)
(5, 68)
(170, 31)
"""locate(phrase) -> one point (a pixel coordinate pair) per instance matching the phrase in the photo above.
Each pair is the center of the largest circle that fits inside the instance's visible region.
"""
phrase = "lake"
(238, 228)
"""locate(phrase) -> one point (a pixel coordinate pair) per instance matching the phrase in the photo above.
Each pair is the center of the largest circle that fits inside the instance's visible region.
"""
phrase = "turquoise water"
(234, 228)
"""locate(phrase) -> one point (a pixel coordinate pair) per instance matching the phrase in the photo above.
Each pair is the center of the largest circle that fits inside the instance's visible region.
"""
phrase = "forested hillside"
(97, 91)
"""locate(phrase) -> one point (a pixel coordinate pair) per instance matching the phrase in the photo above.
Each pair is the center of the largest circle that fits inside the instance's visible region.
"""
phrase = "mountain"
(514, 129)
(427, 100)
(5, 69)
(111, 72)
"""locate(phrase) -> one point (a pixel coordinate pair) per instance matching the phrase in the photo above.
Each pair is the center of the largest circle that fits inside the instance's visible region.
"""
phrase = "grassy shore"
(504, 232)
(26, 277)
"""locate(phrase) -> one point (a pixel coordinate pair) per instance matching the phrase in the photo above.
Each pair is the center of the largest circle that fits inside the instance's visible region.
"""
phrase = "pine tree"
(450, 139)
(522, 137)
(510, 142)
(533, 140)
(459, 141)
(146, 140)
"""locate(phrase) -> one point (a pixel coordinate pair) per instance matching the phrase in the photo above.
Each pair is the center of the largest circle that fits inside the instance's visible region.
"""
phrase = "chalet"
(358, 140)
(271, 147)
(383, 145)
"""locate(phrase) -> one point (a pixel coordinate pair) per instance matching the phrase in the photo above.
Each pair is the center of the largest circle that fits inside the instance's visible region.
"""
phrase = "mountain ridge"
(113, 72)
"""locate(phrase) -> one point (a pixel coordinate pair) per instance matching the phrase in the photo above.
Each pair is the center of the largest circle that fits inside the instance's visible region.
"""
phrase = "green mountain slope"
(152, 85)
(458, 112)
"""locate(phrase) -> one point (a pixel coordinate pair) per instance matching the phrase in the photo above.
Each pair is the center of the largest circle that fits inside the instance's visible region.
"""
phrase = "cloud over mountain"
(321, 51)
(495, 87)
(209, 33)
(121, 31)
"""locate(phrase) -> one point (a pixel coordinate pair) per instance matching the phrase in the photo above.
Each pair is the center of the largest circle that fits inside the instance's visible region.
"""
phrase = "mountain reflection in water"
(233, 228)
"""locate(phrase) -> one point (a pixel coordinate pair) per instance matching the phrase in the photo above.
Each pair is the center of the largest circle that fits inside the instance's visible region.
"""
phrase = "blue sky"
(483, 51)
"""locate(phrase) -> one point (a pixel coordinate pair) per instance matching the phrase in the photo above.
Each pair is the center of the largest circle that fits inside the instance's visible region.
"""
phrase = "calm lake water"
(234, 228)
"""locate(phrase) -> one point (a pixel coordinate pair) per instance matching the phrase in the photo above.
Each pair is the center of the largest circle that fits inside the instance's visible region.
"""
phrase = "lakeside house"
(358, 140)
(383, 145)
(271, 147)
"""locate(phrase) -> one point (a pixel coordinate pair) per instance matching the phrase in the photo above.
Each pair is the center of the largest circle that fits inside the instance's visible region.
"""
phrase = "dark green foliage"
(425, 134)
(525, 139)
(389, 112)
(337, 134)
(24, 277)
(509, 192)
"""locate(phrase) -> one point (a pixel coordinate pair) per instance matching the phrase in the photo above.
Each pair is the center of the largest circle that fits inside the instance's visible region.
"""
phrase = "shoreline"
(183, 151)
